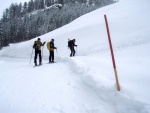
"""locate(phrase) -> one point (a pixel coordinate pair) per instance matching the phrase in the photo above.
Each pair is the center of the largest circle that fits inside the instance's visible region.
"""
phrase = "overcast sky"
(6, 3)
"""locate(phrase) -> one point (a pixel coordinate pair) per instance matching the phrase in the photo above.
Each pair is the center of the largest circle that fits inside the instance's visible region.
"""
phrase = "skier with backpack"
(51, 47)
(37, 46)
(71, 44)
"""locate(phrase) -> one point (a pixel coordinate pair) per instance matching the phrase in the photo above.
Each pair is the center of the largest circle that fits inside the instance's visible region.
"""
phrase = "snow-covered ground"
(84, 83)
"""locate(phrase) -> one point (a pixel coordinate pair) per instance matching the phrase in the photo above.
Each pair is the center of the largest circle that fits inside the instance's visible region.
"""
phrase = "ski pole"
(42, 51)
(31, 57)
(57, 55)
(76, 49)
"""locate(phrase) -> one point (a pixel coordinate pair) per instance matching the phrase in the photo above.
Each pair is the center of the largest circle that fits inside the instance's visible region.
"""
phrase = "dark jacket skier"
(37, 46)
(71, 44)
(52, 47)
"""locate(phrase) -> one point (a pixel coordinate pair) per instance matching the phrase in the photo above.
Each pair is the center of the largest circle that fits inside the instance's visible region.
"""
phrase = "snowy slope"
(85, 83)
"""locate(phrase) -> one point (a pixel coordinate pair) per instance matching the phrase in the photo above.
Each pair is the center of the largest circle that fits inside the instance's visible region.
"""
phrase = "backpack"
(70, 43)
(38, 45)
(35, 46)
(48, 46)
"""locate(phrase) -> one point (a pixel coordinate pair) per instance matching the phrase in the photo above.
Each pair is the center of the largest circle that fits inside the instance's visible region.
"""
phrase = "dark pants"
(36, 54)
(51, 56)
(72, 51)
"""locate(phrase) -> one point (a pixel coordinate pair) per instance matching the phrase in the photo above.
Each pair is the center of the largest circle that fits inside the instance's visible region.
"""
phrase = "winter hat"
(39, 39)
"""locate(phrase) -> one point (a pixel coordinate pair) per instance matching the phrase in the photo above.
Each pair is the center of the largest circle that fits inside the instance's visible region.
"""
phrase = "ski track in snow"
(102, 48)
(56, 99)
(106, 95)
(96, 96)
(117, 46)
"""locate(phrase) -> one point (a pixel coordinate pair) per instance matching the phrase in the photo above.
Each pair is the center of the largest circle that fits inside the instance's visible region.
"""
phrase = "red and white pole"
(112, 54)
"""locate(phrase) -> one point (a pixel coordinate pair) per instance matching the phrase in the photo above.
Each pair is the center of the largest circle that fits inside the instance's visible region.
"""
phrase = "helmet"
(39, 39)
(52, 39)
(74, 40)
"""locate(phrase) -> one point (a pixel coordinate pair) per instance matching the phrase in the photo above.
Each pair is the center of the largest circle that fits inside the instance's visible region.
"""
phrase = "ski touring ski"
(51, 62)
(37, 65)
